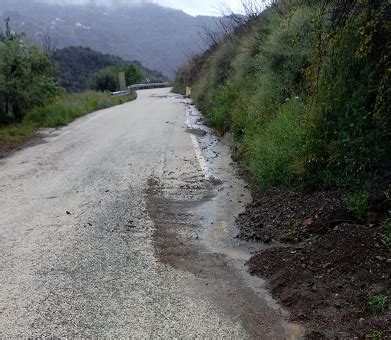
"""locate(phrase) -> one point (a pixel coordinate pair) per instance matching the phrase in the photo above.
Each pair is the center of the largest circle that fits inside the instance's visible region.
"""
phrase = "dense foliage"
(26, 77)
(304, 87)
(76, 65)
(108, 79)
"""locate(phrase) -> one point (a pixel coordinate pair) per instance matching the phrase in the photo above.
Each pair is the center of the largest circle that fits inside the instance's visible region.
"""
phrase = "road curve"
(87, 233)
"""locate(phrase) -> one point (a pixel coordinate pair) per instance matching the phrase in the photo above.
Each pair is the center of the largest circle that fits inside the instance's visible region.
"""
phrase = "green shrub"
(220, 112)
(108, 80)
(26, 77)
(293, 232)
(358, 205)
(271, 152)
(377, 303)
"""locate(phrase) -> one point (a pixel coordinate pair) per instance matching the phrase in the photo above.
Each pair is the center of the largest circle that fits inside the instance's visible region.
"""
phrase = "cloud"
(97, 2)
(199, 7)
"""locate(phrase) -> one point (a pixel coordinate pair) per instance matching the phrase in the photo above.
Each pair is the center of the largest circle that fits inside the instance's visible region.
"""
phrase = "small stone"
(380, 258)
(361, 320)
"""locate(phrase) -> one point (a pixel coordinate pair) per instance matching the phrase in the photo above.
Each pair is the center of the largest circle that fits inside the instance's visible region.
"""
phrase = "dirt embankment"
(333, 274)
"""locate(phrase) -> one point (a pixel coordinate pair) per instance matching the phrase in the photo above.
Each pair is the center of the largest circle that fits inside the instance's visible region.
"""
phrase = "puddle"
(218, 214)
(196, 132)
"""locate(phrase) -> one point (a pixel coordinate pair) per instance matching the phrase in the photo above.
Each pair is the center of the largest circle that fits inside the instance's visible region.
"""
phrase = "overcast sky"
(196, 7)
(193, 7)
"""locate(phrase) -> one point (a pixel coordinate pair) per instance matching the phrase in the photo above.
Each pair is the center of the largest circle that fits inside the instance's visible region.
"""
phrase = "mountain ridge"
(160, 38)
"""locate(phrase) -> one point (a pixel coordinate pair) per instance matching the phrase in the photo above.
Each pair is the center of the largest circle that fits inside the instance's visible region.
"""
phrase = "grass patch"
(65, 109)
(376, 335)
(377, 303)
(12, 136)
(58, 112)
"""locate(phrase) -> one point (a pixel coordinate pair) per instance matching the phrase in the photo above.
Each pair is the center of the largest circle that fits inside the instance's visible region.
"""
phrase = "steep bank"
(304, 88)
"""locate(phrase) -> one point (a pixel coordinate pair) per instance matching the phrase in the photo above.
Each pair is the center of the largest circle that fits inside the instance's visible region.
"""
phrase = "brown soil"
(331, 266)
(291, 215)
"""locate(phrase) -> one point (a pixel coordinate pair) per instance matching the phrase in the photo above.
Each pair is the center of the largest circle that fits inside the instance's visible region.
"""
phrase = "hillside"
(304, 88)
(75, 65)
(160, 38)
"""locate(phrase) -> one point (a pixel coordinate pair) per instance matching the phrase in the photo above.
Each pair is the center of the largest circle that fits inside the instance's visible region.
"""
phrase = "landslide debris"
(333, 272)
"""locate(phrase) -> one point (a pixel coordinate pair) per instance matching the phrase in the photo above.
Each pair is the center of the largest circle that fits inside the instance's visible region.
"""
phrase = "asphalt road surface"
(97, 236)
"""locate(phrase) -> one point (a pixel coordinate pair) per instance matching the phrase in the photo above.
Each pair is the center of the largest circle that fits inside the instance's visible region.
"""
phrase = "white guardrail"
(137, 87)
(148, 86)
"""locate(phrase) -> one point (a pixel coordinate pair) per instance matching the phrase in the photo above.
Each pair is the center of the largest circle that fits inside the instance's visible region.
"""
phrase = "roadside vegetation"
(107, 78)
(30, 96)
(77, 65)
(304, 87)
(59, 111)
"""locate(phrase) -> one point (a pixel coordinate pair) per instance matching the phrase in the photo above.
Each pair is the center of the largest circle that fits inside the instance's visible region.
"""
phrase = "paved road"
(89, 230)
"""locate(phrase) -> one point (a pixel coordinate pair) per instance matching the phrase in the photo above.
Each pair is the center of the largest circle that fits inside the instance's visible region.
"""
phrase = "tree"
(49, 43)
(26, 76)
(107, 79)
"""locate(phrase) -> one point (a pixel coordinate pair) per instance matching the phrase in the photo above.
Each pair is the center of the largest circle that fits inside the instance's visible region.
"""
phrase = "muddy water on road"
(218, 213)
(193, 208)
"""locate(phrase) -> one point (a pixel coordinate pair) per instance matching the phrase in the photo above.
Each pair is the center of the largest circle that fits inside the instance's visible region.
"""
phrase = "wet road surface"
(104, 232)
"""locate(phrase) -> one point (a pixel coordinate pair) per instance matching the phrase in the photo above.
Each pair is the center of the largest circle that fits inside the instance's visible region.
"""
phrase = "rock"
(380, 258)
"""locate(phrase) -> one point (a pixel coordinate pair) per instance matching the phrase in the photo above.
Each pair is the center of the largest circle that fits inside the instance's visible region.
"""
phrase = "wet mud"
(195, 232)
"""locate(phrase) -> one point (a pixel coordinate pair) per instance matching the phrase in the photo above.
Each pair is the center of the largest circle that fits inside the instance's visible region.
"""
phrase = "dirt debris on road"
(325, 266)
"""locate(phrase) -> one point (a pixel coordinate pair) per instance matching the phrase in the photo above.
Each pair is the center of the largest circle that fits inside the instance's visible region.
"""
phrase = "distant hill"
(160, 38)
(77, 64)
